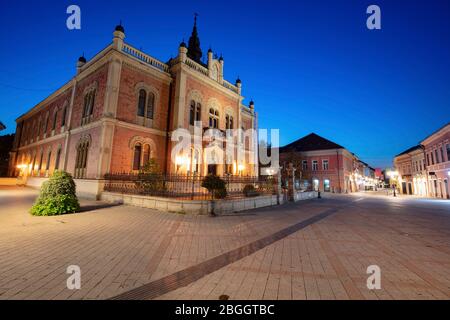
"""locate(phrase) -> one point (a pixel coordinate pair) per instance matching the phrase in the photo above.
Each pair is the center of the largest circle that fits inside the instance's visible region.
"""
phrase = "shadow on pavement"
(87, 208)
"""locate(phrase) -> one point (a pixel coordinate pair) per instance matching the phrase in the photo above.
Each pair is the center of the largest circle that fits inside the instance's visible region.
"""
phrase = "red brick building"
(120, 110)
(325, 165)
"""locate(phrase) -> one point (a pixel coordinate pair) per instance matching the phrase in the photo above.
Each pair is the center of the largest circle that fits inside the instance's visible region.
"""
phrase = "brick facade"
(100, 104)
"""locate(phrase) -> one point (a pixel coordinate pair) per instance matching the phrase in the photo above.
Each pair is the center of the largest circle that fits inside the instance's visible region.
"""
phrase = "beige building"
(437, 155)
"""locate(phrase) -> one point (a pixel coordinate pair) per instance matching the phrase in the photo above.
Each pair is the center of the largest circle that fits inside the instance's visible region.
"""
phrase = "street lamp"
(393, 175)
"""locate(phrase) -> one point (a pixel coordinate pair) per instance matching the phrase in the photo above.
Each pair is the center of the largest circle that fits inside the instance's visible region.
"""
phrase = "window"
(442, 154)
(315, 165)
(33, 166)
(88, 109)
(428, 159)
(146, 104)
(46, 122)
(141, 102)
(192, 113)
(146, 157)
(39, 127)
(325, 164)
(195, 112)
(436, 155)
(150, 105)
(448, 152)
(40, 160)
(229, 122)
(137, 156)
(55, 118)
(304, 164)
(141, 155)
(58, 157)
(432, 157)
(49, 157)
(213, 118)
(81, 157)
(63, 120)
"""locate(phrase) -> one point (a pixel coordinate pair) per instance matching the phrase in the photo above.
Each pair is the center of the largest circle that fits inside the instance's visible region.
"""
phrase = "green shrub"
(215, 186)
(250, 191)
(57, 196)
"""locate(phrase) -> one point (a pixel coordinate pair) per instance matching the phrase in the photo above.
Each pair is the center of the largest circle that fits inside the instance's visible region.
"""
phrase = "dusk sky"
(310, 66)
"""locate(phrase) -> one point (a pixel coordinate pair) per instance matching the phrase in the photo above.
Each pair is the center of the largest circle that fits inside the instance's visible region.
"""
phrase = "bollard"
(318, 195)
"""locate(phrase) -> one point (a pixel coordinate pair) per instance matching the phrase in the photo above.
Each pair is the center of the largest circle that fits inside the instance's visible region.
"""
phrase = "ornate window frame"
(145, 120)
(143, 142)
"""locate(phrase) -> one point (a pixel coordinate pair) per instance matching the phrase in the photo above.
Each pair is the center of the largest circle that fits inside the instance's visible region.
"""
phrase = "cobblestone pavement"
(316, 249)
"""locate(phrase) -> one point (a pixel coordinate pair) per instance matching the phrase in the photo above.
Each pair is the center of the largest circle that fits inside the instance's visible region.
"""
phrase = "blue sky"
(310, 66)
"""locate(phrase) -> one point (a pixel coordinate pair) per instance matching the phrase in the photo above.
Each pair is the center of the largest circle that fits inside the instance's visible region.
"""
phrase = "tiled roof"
(310, 142)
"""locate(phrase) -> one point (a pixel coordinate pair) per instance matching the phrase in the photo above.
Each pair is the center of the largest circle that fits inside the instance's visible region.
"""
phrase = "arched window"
(49, 158)
(146, 104)
(63, 119)
(146, 157)
(47, 118)
(88, 109)
(137, 156)
(150, 105)
(213, 118)
(58, 157)
(33, 166)
(81, 158)
(229, 122)
(195, 112)
(198, 112)
(41, 158)
(55, 118)
(141, 103)
(192, 113)
(39, 127)
(141, 155)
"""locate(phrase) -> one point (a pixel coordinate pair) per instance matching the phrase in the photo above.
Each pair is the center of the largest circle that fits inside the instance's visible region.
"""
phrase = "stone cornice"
(136, 127)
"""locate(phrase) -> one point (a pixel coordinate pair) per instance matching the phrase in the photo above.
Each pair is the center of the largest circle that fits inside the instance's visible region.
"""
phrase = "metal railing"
(186, 186)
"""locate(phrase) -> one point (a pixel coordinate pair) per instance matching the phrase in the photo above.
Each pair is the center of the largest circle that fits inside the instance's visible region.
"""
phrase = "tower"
(194, 50)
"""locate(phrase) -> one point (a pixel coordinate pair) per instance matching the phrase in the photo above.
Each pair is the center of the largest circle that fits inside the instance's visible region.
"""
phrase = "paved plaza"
(315, 249)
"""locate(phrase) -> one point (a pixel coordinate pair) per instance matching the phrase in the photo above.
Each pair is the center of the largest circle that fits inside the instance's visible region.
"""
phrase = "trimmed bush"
(215, 186)
(250, 191)
(57, 196)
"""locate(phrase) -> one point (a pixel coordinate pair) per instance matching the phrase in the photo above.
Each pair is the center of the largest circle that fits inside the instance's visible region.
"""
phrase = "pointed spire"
(194, 50)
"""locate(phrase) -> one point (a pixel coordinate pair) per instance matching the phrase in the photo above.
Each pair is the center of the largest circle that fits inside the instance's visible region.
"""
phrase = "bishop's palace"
(120, 109)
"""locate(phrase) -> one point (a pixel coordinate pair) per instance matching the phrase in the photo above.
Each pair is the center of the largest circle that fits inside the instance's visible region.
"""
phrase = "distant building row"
(424, 169)
(327, 166)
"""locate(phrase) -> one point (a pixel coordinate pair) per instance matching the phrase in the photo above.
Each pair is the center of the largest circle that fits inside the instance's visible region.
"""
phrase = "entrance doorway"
(212, 169)
(326, 185)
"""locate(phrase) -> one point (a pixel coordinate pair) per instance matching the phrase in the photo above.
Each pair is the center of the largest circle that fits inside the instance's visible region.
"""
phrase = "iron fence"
(186, 186)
